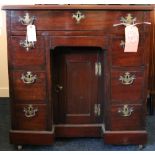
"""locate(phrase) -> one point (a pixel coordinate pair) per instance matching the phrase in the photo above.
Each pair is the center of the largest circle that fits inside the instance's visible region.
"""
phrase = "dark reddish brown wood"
(93, 39)
(152, 61)
(49, 99)
(81, 41)
(81, 7)
(61, 33)
(78, 131)
(125, 137)
(31, 137)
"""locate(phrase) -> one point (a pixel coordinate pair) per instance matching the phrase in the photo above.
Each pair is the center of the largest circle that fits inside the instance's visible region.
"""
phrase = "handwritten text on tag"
(31, 33)
(131, 38)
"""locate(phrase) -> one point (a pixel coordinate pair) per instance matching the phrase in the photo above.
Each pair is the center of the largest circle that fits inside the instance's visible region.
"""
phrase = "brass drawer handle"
(30, 111)
(27, 20)
(78, 16)
(28, 78)
(128, 20)
(127, 79)
(27, 45)
(125, 111)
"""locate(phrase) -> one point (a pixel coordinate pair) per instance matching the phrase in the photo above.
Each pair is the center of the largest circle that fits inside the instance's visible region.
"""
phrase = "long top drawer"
(73, 19)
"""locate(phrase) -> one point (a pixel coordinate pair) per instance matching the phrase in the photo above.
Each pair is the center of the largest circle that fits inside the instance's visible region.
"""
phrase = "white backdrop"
(20, 2)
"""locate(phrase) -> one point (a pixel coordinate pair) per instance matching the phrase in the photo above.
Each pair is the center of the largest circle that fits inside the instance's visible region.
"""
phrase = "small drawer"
(72, 20)
(29, 85)
(29, 117)
(127, 117)
(124, 59)
(127, 85)
(20, 57)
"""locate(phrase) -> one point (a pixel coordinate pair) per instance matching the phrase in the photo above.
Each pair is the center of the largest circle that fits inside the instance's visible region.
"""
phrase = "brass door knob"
(58, 88)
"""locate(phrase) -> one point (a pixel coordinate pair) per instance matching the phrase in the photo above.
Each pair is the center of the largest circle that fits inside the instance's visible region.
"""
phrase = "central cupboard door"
(77, 85)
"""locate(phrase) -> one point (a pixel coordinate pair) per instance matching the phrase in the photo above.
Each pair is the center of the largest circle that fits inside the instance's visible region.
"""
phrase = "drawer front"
(127, 85)
(29, 117)
(29, 85)
(124, 59)
(20, 57)
(127, 117)
(73, 20)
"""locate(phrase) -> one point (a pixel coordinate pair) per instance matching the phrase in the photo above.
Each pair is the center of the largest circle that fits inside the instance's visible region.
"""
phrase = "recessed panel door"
(77, 86)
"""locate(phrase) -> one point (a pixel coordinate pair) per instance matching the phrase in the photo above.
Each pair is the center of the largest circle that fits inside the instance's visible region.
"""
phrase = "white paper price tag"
(131, 38)
(31, 33)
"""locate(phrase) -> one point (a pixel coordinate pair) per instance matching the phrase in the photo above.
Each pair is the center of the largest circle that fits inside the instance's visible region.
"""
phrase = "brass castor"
(141, 147)
(19, 147)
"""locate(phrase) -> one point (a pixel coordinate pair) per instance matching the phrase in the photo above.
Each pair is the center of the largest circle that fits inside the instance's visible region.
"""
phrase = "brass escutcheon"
(78, 16)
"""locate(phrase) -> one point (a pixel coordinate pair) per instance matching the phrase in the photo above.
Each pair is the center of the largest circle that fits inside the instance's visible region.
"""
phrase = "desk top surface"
(81, 7)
